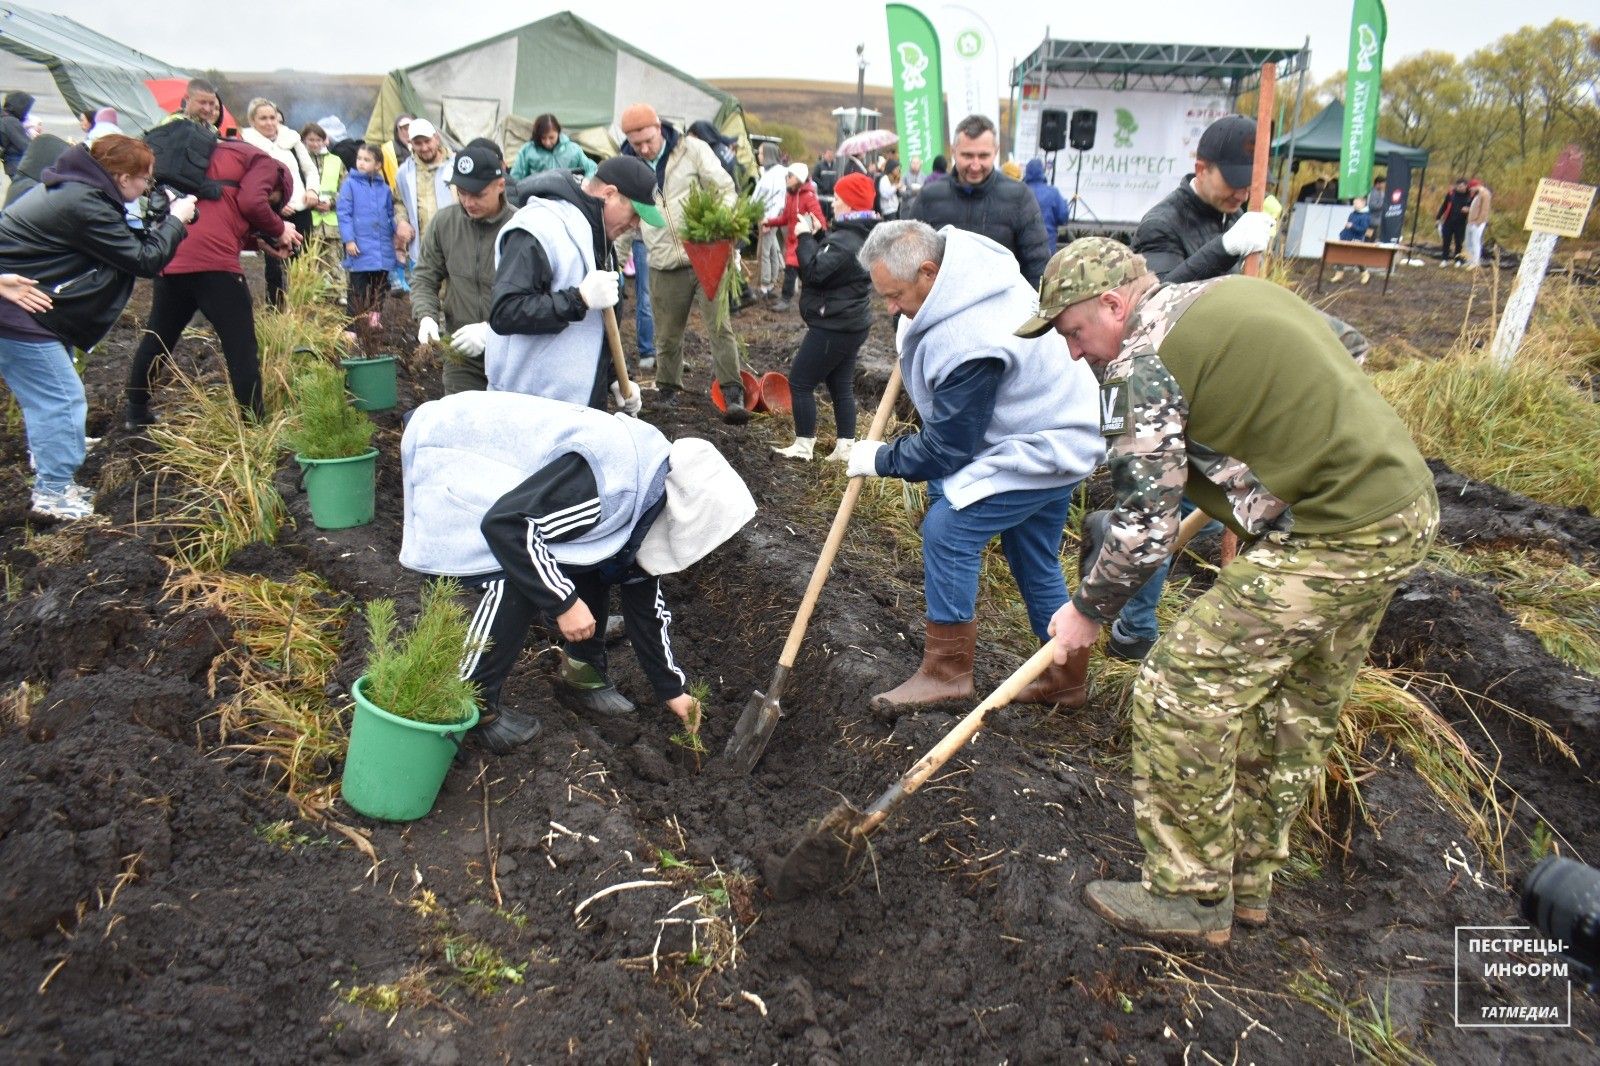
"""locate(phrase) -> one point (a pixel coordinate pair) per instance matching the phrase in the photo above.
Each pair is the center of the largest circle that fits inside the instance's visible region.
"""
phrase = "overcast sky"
(812, 39)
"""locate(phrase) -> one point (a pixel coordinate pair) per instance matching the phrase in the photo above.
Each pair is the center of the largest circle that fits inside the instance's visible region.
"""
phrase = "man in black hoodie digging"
(556, 275)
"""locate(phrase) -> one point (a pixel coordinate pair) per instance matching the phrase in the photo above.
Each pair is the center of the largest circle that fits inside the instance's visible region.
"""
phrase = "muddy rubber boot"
(736, 414)
(1254, 913)
(1130, 906)
(588, 691)
(841, 450)
(1060, 686)
(946, 670)
(505, 730)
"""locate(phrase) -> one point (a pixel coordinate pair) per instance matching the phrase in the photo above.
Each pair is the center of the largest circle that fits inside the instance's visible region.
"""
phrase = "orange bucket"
(752, 392)
(775, 393)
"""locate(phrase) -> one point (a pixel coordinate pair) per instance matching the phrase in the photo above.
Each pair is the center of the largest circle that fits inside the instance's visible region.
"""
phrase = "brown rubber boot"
(946, 670)
(1060, 686)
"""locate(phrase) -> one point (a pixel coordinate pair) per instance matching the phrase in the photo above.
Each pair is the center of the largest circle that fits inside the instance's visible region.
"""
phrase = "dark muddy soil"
(152, 909)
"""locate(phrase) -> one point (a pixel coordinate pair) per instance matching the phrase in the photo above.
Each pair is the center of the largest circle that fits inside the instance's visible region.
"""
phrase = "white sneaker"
(64, 505)
(800, 449)
(841, 450)
(78, 492)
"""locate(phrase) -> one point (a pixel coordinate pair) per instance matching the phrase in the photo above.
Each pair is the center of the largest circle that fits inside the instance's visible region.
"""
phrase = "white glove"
(1252, 233)
(427, 331)
(633, 404)
(471, 338)
(601, 289)
(864, 458)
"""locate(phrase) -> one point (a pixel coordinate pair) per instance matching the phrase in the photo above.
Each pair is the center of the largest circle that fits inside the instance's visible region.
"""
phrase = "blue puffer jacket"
(366, 216)
(1052, 207)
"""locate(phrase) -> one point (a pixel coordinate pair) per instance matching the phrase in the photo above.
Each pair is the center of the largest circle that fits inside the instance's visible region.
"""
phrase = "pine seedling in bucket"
(711, 229)
(412, 707)
(325, 425)
(333, 445)
(416, 674)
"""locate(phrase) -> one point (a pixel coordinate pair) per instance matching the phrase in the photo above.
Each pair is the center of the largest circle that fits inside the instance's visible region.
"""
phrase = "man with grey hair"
(980, 199)
(1009, 429)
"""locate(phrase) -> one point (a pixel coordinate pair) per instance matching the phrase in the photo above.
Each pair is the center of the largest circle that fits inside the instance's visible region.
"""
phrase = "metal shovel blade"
(821, 856)
(753, 732)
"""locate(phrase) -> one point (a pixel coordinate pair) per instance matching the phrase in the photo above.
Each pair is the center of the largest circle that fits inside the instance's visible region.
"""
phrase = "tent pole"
(1416, 205)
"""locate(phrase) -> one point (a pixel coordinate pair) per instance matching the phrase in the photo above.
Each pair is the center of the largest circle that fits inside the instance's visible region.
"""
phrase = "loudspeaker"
(1083, 124)
(1052, 131)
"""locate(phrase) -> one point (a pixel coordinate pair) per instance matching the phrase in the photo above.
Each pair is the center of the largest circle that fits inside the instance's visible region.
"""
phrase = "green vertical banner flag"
(1363, 86)
(918, 89)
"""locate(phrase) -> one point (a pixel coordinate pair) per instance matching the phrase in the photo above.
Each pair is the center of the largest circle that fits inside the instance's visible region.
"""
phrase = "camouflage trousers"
(1235, 706)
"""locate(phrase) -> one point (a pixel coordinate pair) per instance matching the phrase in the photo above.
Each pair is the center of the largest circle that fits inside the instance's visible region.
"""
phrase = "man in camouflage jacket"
(1235, 392)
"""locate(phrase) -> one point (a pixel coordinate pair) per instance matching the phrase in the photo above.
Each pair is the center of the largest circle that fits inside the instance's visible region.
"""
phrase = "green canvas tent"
(68, 68)
(561, 65)
(1320, 139)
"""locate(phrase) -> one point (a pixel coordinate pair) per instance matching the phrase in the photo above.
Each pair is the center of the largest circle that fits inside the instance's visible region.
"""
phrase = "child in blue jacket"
(366, 225)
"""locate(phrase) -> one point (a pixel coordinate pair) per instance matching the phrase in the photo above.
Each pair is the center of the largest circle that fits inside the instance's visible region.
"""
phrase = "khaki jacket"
(1479, 211)
(692, 163)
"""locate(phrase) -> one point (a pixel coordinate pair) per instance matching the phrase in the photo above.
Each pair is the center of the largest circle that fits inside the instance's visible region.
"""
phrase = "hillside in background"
(805, 106)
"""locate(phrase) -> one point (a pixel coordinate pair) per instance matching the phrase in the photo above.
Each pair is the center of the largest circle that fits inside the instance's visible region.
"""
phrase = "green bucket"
(341, 491)
(394, 767)
(372, 382)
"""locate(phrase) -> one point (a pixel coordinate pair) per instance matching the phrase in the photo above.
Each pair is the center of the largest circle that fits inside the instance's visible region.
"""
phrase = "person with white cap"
(556, 275)
(546, 507)
(800, 201)
(421, 188)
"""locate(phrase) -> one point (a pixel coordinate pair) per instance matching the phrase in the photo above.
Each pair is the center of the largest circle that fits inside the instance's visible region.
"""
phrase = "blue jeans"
(1138, 618)
(1029, 523)
(41, 376)
(643, 320)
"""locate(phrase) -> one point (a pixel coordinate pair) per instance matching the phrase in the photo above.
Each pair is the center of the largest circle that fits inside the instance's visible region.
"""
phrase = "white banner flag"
(971, 64)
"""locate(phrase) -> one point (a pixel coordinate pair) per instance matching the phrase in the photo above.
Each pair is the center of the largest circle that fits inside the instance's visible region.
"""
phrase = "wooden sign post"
(1559, 209)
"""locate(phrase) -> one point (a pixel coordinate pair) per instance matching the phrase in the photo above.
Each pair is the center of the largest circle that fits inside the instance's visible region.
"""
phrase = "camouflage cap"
(1083, 269)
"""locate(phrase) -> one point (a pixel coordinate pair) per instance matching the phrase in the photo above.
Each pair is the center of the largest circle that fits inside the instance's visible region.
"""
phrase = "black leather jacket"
(999, 208)
(1181, 237)
(835, 289)
(71, 235)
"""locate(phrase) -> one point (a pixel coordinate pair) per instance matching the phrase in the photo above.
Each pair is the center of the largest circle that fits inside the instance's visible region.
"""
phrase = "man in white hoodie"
(1009, 429)
(545, 507)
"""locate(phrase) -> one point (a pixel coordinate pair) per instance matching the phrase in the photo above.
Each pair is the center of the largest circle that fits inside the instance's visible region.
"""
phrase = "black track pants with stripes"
(505, 615)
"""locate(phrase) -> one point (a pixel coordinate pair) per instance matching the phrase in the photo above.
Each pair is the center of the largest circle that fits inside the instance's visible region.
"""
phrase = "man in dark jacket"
(205, 275)
(555, 277)
(981, 200)
(14, 135)
(545, 507)
(455, 270)
(824, 174)
(1452, 218)
(1200, 230)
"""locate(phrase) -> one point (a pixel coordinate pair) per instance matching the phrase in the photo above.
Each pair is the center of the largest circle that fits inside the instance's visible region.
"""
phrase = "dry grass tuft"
(213, 472)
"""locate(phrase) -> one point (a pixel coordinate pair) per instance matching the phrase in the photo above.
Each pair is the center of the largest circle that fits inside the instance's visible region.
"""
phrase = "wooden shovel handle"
(618, 361)
(957, 738)
(1258, 195)
(830, 547)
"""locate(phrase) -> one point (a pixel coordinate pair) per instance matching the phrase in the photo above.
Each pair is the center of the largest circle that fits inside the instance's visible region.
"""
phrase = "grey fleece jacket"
(1045, 430)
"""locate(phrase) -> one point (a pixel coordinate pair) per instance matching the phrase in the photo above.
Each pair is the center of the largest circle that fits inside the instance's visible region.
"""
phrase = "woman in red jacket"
(205, 275)
(801, 200)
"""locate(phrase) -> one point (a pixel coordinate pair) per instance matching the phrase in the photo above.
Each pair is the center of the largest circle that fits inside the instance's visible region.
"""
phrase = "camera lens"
(1561, 898)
